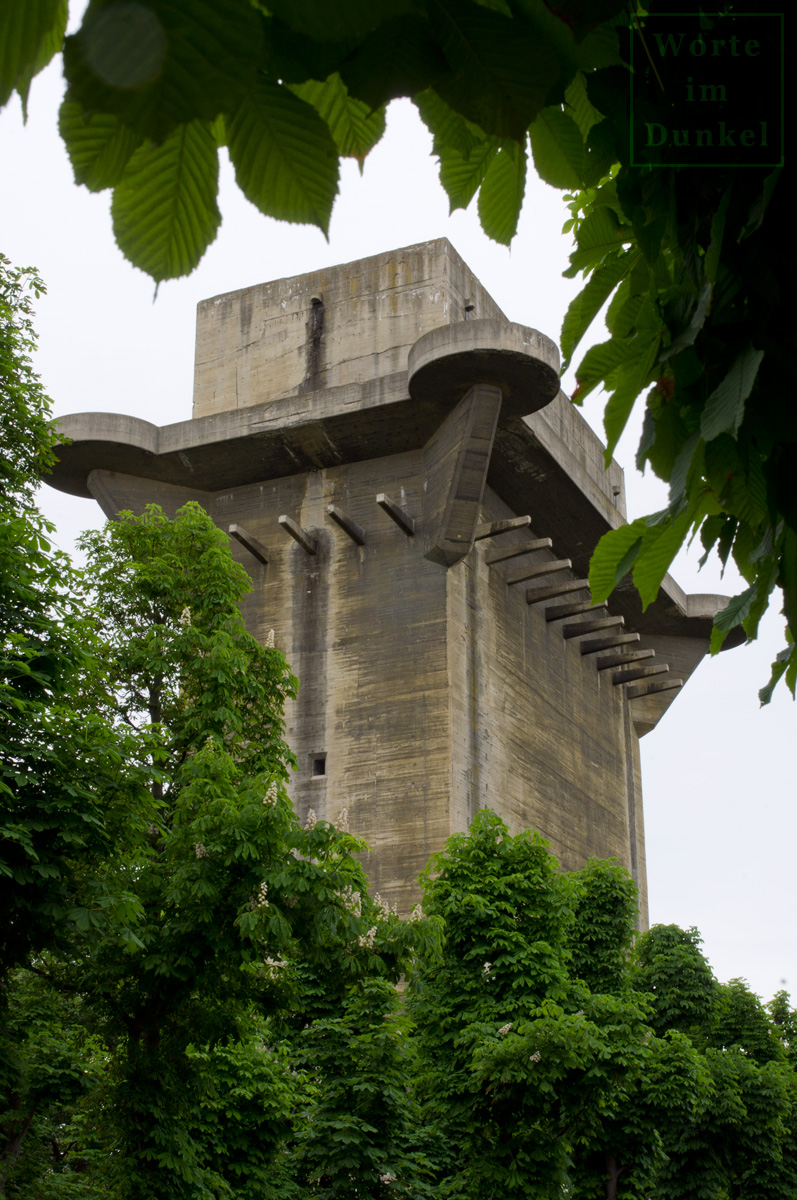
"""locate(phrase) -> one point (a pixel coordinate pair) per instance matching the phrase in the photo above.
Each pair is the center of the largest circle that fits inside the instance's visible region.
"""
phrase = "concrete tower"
(417, 502)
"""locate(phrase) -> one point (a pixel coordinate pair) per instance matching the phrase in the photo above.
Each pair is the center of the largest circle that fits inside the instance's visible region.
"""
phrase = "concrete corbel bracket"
(492, 371)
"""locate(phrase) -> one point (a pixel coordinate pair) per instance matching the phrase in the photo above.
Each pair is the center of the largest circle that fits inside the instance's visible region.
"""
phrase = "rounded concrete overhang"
(449, 360)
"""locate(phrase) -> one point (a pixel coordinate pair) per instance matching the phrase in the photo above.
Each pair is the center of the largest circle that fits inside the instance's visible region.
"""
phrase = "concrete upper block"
(347, 324)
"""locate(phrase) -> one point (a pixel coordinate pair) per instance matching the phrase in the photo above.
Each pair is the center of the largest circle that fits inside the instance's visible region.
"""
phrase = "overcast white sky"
(718, 774)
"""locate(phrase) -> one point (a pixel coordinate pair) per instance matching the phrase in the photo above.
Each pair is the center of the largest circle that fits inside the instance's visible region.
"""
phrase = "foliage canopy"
(212, 929)
(692, 259)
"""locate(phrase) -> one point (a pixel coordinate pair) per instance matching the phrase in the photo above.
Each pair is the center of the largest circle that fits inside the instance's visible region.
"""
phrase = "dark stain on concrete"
(246, 315)
(314, 373)
(310, 585)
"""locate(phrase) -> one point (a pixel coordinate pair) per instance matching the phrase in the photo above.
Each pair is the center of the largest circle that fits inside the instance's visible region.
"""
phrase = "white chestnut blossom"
(504, 1030)
(535, 1057)
(351, 900)
(270, 640)
(270, 798)
(200, 850)
(310, 822)
(185, 616)
(273, 966)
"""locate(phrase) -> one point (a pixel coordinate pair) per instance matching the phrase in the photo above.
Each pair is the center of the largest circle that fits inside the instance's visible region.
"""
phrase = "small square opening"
(319, 764)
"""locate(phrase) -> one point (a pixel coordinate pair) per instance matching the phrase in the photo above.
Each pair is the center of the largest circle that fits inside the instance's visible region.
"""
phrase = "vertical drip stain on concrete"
(310, 584)
(315, 346)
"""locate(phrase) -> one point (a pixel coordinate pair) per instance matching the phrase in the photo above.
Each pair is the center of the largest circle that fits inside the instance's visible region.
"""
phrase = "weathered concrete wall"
(538, 733)
(364, 629)
(430, 692)
(345, 324)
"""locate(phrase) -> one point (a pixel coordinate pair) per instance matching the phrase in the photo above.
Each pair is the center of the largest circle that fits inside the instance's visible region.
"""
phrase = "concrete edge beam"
(349, 527)
(405, 522)
(536, 594)
(634, 673)
(538, 570)
(648, 689)
(250, 543)
(578, 628)
(306, 540)
(560, 612)
(595, 645)
(494, 528)
(621, 659)
(515, 551)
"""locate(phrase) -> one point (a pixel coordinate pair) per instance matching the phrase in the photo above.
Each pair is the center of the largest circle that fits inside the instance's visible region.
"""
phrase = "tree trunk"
(16, 1136)
(612, 1177)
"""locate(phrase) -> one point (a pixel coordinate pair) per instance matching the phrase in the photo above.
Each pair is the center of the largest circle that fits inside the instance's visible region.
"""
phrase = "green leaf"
(648, 545)
(599, 48)
(717, 231)
(785, 659)
(738, 481)
(613, 557)
(724, 409)
(501, 194)
(629, 379)
(598, 235)
(166, 63)
(164, 211)
(750, 494)
(688, 461)
(623, 318)
(596, 366)
(660, 545)
(577, 101)
(590, 300)
(31, 32)
(734, 613)
(354, 128)
(400, 58)
(697, 320)
(558, 149)
(710, 533)
(759, 208)
(619, 300)
(284, 157)
(462, 177)
(601, 152)
(99, 146)
(723, 463)
(449, 129)
(500, 72)
(787, 578)
(338, 22)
